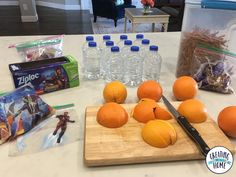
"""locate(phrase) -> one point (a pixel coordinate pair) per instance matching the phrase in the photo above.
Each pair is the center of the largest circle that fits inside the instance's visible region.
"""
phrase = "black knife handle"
(194, 134)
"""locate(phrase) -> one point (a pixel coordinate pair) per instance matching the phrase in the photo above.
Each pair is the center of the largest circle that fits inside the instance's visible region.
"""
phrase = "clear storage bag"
(20, 111)
(60, 129)
(207, 22)
(50, 47)
(214, 69)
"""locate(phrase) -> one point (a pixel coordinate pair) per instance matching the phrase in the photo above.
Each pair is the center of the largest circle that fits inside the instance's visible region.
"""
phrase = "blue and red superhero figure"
(62, 124)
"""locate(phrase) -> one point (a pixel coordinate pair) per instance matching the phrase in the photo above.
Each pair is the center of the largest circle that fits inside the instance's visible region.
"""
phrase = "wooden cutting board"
(105, 146)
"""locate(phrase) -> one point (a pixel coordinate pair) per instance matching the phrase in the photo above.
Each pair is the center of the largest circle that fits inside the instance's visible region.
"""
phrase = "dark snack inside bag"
(20, 111)
(213, 69)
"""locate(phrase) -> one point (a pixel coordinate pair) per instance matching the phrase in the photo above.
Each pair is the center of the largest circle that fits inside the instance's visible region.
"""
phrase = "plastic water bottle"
(105, 38)
(91, 62)
(126, 48)
(133, 66)
(85, 45)
(125, 52)
(115, 71)
(138, 41)
(122, 39)
(144, 47)
(105, 58)
(88, 39)
(152, 64)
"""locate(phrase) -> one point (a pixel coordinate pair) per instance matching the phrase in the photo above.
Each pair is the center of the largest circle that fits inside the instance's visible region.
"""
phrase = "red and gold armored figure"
(62, 124)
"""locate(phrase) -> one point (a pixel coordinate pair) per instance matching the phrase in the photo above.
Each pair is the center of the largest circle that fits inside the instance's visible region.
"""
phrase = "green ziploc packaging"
(47, 75)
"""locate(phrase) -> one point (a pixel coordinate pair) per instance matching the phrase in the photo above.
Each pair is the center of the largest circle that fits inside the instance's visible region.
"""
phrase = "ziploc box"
(47, 75)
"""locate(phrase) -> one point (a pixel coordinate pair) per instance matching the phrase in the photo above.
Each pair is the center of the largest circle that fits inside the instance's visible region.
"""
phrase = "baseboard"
(58, 6)
(46, 4)
(9, 3)
(72, 7)
(29, 18)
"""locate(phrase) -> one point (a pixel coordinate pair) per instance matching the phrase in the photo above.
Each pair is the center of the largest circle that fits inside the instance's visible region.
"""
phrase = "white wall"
(137, 3)
(65, 4)
(9, 2)
(86, 4)
(72, 2)
(28, 11)
(53, 1)
(61, 4)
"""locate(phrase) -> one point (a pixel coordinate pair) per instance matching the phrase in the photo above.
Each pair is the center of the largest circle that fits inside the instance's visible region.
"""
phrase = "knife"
(188, 128)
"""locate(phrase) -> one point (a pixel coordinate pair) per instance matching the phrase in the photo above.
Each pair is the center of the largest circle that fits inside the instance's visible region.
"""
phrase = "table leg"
(153, 27)
(165, 25)
(125, 24)
(133, 27)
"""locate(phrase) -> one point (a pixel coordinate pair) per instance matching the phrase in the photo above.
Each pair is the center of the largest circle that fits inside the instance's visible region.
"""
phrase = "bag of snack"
(60, 129)
(208, 22)
(20, 111)
(50, 47)
(213, 69)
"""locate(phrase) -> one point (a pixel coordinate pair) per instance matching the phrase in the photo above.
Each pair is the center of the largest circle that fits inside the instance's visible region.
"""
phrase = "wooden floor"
(51, 21)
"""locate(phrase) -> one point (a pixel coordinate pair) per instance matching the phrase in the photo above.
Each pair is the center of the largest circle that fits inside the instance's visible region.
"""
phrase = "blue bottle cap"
(89, 38)
(145, 42)
(106, 37)
(92, 44)
(115, 49)
(128, 42)
(139, 36)
(109, 43)
(153, 48)
(134, 48)
(123, 37)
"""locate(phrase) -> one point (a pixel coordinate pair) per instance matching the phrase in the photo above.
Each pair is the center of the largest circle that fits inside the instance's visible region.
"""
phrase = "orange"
(184, 88)
(161, 113)
(148, 99)
(112, 115)
(193, 110)
(144, 111)
(115, 92)
(147, 109)
(227, 120)
(150, 89)
(159, 133)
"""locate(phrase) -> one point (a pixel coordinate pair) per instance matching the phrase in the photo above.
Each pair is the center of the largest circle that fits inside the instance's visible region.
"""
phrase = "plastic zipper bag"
(20, 111)
(60, 129)
(50, 47)
(214, 69)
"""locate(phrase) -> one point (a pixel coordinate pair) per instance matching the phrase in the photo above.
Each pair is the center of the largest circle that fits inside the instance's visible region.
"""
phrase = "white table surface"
(68, 160)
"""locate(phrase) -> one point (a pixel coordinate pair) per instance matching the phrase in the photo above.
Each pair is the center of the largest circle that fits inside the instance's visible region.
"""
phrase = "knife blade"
(188, 128)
